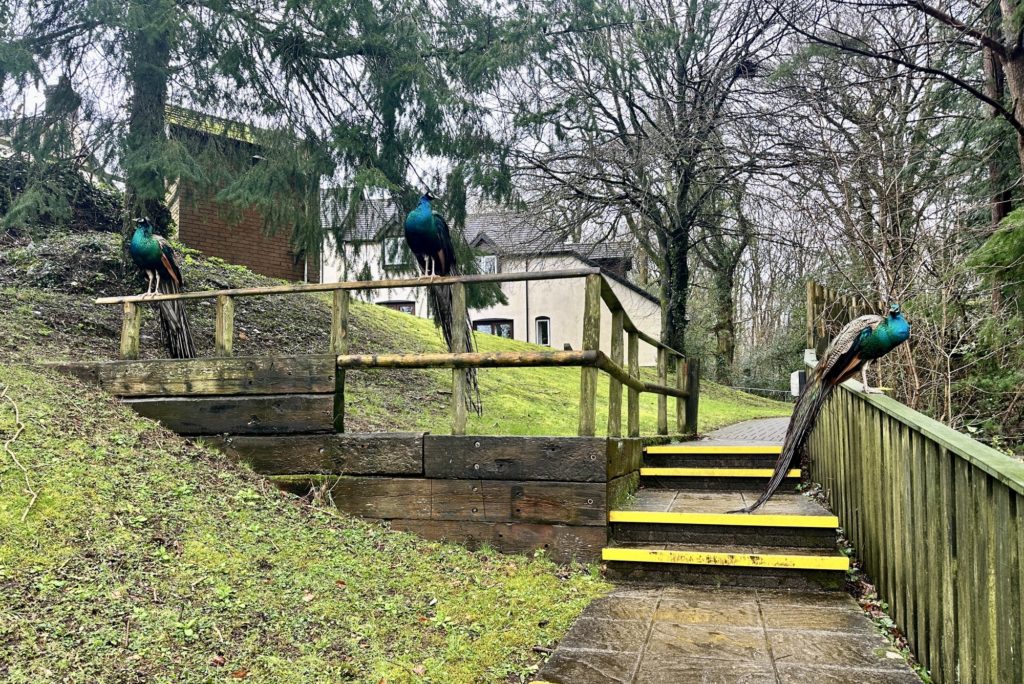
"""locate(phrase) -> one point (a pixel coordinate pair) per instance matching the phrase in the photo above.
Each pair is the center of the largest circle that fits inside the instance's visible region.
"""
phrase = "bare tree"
(639, 113)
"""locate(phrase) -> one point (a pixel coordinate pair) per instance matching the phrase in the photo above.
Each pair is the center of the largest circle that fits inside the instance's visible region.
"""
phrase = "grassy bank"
(145, 558)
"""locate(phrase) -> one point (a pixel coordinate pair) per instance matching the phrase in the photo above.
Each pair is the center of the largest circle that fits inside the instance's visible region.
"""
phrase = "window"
(487, 263)
(404, 307)
(544, 331)
(396, 252)
(502, 327)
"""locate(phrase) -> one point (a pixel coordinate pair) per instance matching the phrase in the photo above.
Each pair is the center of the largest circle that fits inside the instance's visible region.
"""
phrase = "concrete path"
(765, 430)
(718, 636)
(714, 635)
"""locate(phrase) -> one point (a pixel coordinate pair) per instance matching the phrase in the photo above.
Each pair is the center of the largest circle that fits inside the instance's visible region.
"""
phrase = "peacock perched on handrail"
(430, 241)
(155, 256)
(860, 342)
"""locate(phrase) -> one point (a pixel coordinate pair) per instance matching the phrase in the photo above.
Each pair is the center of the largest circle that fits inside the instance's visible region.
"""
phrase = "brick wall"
(203, 226)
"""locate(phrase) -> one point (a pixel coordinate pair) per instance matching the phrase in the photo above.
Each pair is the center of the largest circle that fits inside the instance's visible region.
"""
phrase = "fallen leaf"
(240, 673)
(340, 584)
(217, 660)
(308, 597)
(419, 670)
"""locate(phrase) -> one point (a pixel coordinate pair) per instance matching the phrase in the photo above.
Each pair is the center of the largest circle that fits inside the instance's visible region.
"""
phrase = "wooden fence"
(625, 339)
(828, 311)
(933, 515)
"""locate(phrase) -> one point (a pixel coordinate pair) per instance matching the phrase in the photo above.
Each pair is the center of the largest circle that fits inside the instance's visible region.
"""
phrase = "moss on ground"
(146, 558)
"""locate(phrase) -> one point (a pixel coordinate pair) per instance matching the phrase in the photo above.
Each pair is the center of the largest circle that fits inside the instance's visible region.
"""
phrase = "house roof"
(515, 234)
(503, 233)
(211, 124)
(373, 216)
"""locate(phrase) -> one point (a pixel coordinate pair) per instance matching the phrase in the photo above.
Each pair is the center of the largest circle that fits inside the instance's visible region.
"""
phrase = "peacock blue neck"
(889, 334)
(143, 245)
(421, 219)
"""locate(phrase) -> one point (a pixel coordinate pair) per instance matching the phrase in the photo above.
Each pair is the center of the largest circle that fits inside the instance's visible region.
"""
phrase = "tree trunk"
(1000, 197)
(144, 147)
(676, 290)
(725, 326)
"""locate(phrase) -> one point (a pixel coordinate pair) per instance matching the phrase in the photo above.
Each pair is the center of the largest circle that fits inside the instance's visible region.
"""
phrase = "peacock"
(861, 341)
(430, 241)
(154, 255)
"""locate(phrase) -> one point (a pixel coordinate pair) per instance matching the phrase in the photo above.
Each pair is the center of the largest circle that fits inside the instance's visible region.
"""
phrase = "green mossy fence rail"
(933, 516)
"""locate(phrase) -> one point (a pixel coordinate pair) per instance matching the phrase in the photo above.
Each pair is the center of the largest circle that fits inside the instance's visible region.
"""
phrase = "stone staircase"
(677, 529)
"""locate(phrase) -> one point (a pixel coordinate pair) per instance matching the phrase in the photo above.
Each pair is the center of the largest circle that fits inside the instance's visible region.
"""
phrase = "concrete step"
(727, 565)
(698, 455)
(714, 479)
(662, 516)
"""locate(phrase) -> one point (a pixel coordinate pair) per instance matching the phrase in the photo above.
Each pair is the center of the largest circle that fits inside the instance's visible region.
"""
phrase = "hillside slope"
(47, 287)
(145, 558)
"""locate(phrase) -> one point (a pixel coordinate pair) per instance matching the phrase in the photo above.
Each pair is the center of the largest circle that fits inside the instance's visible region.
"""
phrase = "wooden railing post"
(131, 325)
(614, 386)
(633, 396)
(459, 380)
(692, 395)
(680, 402)
(810, 314)
(224, 334)
(339, 322)
(339, 345)
(662, 399)
(591, 341)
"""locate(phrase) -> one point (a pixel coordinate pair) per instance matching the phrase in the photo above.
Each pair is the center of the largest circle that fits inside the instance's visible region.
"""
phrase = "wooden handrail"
(590, 359)
(225, 308)
(470, 360)
(356, 285)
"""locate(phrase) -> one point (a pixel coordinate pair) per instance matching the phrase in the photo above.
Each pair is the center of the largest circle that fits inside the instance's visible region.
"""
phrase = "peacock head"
(143, 223)
(428, 197)
(894, 310)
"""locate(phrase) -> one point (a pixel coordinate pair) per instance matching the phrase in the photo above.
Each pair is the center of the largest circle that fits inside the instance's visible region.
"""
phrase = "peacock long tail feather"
(441, 302)
(174, 323)
(805, 415)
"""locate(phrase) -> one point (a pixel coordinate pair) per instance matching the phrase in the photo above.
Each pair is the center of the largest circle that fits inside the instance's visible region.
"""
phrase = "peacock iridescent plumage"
(859, 343)
(430, 241)
(155, 256)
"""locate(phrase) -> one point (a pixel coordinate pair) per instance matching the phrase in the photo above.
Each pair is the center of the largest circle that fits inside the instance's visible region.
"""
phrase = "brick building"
(237, 237)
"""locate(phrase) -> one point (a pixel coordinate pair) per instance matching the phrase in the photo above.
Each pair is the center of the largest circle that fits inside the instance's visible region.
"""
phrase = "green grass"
(532, 401)
(145, 558)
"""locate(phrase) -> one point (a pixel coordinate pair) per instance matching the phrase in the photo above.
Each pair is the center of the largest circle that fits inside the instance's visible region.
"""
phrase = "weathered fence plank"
(572, 503)
(933, 515)
(569, 459)
(311, 374)
(239, 415)
(389, 453)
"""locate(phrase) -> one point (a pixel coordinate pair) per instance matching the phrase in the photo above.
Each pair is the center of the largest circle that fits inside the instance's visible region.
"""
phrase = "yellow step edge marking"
(680, 449)
(739, 560)
(734, 519)
(713, 472)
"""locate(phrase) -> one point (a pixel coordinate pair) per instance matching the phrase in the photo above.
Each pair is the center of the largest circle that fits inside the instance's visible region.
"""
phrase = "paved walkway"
(714, 636)
(770, 430)
(710, 635)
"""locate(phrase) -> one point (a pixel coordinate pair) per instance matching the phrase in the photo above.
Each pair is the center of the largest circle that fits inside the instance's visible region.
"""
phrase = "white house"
(546, 312)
